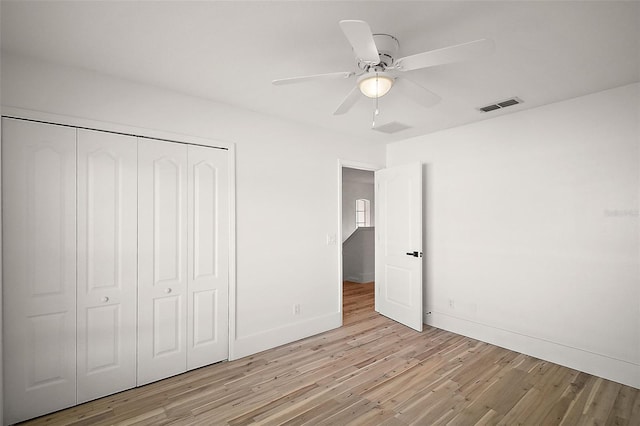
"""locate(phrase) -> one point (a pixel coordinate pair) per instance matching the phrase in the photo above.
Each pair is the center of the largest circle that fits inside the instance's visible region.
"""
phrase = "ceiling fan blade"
(348, 101)
(416, 93)
(316, 77)
(361, 39)
(446, 55)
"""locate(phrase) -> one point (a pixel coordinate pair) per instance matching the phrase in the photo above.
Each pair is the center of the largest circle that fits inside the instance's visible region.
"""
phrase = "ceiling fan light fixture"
(375, 84)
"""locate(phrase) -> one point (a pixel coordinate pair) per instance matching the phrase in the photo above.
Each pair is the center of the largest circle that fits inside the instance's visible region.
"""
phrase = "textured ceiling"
(230, 51)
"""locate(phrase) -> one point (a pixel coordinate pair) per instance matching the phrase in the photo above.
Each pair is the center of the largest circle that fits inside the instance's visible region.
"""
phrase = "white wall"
(281, 260)
(358, 256)
(1, 292)
(532, 231)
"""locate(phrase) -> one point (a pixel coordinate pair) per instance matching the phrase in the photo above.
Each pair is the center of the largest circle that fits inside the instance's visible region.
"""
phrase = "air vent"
(502, 104)
(392, 127)
(489, 108)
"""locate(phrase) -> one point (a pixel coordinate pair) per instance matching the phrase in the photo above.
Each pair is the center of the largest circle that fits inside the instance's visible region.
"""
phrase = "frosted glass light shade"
(375, 85)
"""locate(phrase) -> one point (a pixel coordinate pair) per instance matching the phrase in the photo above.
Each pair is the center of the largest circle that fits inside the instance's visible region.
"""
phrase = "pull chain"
(376, 111)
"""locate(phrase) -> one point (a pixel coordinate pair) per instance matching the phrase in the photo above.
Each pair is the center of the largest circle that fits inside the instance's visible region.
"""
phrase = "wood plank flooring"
(371, 371)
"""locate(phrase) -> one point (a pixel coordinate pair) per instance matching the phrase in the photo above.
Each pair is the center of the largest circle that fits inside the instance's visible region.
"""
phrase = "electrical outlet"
(296, 309)
(332, 240)
(452, 304)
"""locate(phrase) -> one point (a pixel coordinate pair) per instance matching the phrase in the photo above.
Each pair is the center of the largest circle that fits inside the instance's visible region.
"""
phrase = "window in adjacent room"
(363, 213)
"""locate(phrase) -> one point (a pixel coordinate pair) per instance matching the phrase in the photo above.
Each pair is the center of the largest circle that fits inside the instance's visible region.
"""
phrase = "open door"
(398, 245)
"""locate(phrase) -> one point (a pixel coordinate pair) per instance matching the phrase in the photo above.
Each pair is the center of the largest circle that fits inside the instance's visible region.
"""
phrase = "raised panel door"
(39, 261)
(162, 259)
(107, 263)
(208, 272)
(398, 249)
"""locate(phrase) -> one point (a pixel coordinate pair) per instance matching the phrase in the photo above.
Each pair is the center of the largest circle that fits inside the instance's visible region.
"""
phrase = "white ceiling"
(230, 51)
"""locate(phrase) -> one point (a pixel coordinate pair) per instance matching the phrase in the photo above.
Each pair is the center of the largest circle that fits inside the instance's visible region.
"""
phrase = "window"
(363, 213)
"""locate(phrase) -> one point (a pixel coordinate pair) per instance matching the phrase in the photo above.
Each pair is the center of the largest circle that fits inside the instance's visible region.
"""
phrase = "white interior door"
(107, 263)
(162, 259)
(399, 244)
(39, 262)
(207, 317)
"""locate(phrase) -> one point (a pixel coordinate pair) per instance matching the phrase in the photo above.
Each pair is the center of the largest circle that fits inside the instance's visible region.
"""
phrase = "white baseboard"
(624, 372)
(254, 343)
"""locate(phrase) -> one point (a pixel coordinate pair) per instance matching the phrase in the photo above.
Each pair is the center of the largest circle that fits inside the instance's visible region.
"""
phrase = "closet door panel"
(208, 338)
(168, 324)
(39, 261)
(107, 263)
(162, 259)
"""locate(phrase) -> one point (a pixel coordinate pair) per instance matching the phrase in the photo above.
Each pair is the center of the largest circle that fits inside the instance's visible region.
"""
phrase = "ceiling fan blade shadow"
(416, 93)
(348, 101)
(361, 39)
(315, 77)
(446, 55)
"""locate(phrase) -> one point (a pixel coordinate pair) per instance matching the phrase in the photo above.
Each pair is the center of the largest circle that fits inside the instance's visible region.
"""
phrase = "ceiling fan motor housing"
(387, 51)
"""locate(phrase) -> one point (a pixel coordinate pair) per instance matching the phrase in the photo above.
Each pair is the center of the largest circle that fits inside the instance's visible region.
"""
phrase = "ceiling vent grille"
(501, 104)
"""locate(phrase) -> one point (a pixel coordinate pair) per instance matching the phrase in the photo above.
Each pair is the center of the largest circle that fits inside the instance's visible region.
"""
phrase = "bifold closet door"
(39, 268)
(208, 326)
(183, 271)
(162, 259)
(107, 263)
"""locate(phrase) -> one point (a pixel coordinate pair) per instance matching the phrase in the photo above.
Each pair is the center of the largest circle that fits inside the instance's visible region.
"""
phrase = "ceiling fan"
(379, 69)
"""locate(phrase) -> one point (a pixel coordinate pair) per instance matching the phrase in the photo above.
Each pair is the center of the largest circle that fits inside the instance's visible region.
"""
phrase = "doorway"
(356, 247)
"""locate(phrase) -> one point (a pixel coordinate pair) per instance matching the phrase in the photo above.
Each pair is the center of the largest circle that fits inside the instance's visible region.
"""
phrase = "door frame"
(349, 165)
(64, 120)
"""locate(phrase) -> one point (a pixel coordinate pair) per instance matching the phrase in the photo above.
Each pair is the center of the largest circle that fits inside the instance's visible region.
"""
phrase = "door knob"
(168, 290)
(415, 254)
(105, 299)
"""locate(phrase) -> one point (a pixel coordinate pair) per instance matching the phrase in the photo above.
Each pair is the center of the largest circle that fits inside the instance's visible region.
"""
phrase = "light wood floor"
(372, 371)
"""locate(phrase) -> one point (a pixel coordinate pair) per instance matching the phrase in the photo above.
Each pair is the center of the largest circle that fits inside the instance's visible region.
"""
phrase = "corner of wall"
(248, 345)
